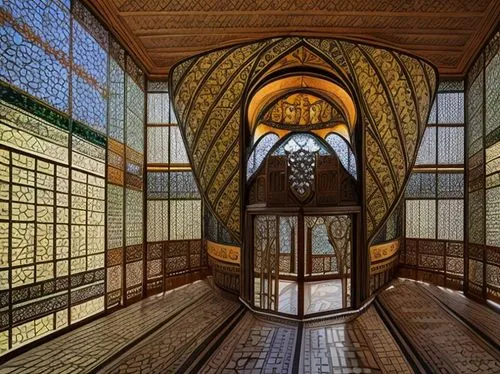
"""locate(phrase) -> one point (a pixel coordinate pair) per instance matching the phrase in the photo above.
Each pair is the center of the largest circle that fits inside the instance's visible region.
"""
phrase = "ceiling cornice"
(451, 44)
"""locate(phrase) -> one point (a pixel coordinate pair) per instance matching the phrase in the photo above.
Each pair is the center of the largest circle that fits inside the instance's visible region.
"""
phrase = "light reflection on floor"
(287, 301)
(322, 296)
(319, 296)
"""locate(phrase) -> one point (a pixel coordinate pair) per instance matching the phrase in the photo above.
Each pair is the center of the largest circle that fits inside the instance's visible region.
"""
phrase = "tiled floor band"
(442, 341)
(196, 329)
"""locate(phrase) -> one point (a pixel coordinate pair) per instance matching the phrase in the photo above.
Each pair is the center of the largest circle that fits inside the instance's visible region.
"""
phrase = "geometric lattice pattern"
(484, 172)
(51, 222)
(61, 176)
(173, 201)
(434, 197)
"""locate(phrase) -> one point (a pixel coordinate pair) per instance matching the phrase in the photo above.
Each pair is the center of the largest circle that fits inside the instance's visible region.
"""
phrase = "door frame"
(300, 212)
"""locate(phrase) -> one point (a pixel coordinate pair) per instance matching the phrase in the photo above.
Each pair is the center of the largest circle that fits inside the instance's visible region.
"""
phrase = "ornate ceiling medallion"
(302, 110)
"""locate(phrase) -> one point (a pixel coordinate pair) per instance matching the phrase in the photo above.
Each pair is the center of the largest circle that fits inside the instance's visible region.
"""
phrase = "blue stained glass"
(66, 3)
(183, 186)
(451, 107)
(45, 18)
(116, 101)
(89, 105)
(344, 153)
(89, 102)
(157, 186)
(306, 142)
(320, 243)
(89, 55)
(287, 240)
(34, 50)
(135, 116)
(133, 168)
(260, 152)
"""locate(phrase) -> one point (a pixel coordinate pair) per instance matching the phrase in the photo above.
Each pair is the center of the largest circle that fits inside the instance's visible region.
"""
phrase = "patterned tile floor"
(363, 345)
(255, 346)
(88, 347)
(196, 329)
(443, 343)
(485, 320)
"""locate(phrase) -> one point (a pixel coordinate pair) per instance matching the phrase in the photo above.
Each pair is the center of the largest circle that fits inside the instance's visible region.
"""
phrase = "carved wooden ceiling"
(448, 33)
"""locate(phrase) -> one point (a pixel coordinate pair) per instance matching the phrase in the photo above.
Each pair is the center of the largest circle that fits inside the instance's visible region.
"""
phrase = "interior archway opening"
(302, 203)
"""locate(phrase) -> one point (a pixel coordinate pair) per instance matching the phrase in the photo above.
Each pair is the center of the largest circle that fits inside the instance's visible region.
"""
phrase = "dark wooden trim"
(204, 351)
(297, 350)
(411, 354)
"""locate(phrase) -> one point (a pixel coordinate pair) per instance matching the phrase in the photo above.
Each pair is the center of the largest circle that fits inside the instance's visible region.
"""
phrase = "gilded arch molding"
(394, 93)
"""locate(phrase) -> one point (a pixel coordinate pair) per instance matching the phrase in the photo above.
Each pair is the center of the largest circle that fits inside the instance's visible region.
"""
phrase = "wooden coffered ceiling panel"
(448, 33)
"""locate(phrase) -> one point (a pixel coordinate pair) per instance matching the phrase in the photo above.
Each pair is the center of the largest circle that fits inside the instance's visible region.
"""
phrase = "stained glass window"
(178, 153)
(493, 203)
(450, 185)
(115, 228)
(442, 145)
(174, 211)
(157, 220)
(484, 173)
(260, 152)
(307, 142)
(89, 82)
(435, 191)
(185, 221)
(492, 77)
(116, 176)
(450, 145)
(475, 115)
(344, 153)
(34, 49)
(427, 152)
(158, 108)
(158, 140)
(58, 201)
(421, 185)
(135, 116)
(450, 219)
(450, 107)
(40, 196)
(183, 185)
(117, 94)
(158, 185)
(476, 217)
(421, 219)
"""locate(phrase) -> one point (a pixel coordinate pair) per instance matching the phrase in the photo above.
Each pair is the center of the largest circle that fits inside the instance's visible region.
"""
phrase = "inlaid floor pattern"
(411, 327)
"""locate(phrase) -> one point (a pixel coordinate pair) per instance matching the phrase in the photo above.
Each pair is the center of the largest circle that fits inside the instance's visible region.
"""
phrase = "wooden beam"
(312, 13)
(214, 30)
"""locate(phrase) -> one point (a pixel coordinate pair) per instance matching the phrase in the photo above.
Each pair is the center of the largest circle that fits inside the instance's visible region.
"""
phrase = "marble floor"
(319, 296)
(323, 296)
(410, 327)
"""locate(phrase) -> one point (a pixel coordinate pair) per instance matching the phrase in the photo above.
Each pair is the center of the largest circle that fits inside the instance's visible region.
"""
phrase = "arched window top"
(344, 153)
(259, 153)
(307, 142)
